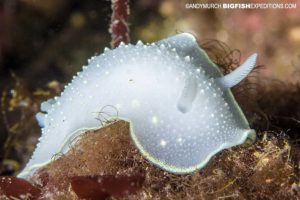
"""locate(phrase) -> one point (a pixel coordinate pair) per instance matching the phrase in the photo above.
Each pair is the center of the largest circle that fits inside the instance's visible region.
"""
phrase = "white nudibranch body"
(179, 105)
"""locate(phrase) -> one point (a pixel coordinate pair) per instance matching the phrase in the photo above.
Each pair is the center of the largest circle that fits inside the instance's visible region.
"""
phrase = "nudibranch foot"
(250, 139)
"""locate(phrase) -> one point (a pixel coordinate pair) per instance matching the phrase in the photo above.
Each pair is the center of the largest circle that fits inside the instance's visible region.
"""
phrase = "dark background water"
(50, 40)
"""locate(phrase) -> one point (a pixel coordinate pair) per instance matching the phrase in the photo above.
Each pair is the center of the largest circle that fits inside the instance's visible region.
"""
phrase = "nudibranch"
(179, 104)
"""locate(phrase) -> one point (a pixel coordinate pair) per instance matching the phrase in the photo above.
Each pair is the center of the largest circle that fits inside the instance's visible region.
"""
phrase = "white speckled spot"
(163, 143)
